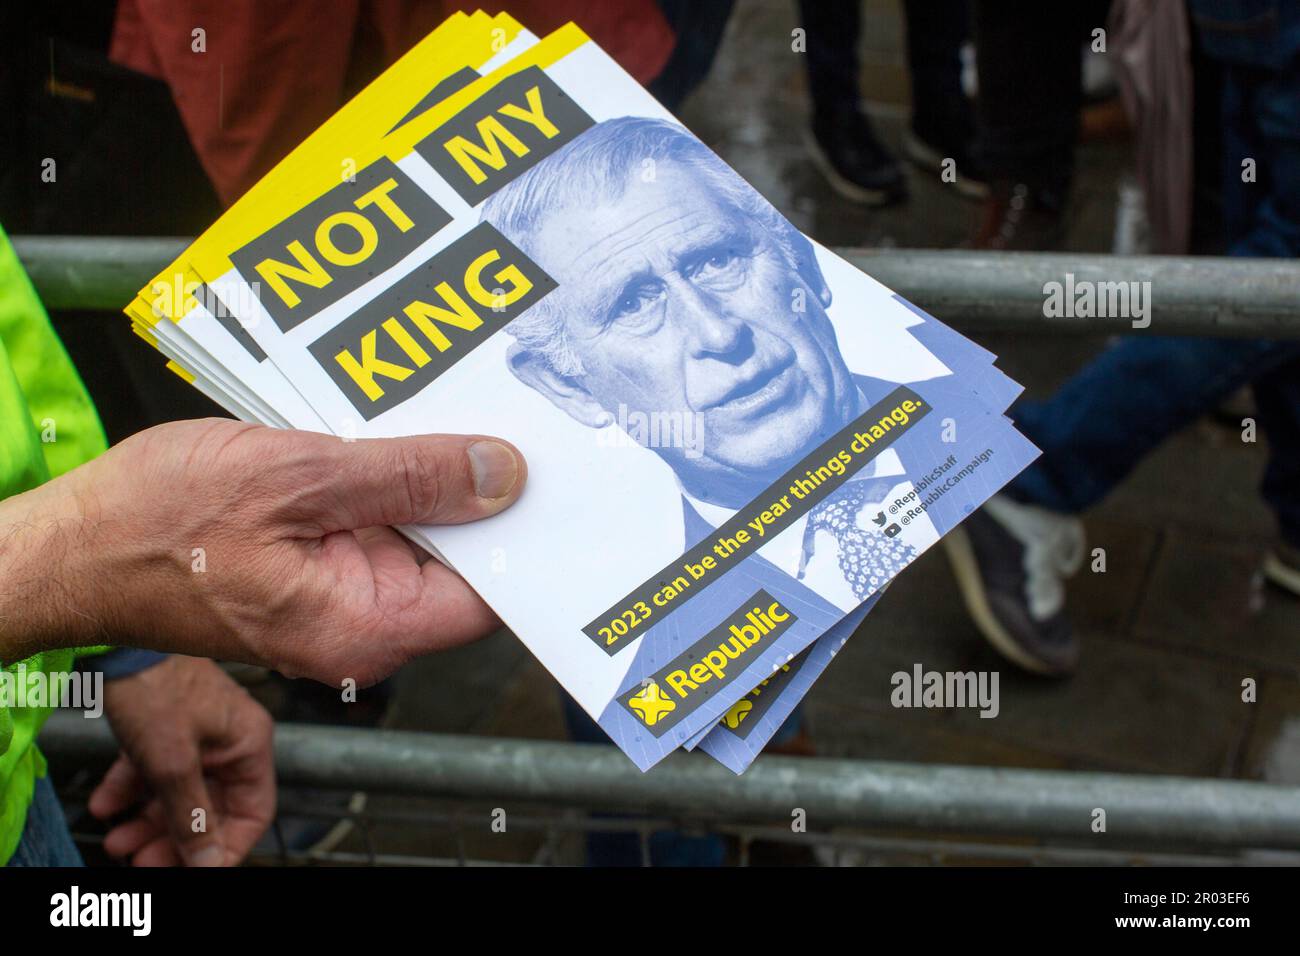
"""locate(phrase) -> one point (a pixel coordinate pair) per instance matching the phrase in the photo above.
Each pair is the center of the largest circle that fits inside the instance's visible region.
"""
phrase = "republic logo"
(650, 704)
(675, 691)
(739, 711)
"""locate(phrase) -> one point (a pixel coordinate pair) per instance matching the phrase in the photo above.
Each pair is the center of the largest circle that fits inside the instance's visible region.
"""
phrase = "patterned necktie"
(868, 559)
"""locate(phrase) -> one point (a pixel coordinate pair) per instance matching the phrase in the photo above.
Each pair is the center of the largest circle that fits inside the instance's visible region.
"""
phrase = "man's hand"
(192, 740)
(298, 568)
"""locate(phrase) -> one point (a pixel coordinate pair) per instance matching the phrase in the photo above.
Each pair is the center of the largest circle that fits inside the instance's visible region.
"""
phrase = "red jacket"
(274, 70)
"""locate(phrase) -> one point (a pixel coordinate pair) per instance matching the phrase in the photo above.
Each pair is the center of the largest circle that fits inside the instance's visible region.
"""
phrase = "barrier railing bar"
(974, 291)
(832, 792)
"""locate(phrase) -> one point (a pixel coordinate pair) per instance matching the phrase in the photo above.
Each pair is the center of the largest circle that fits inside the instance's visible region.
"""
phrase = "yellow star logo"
(739, 711)
(651, 704)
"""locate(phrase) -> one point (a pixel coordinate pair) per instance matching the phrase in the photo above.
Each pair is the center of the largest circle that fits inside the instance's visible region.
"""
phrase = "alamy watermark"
(73, 690)
(75, 908)
(945, 689)
(661, 429)
(1084, 299)
(176, 297)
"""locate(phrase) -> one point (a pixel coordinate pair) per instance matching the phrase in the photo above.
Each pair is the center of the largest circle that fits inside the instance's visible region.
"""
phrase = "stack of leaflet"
(735, 439)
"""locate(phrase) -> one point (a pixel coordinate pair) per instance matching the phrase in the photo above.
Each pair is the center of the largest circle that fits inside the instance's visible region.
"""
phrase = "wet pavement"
(1170, 630)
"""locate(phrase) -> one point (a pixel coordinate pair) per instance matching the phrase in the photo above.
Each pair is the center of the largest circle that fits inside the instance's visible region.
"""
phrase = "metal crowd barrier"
(1141, 810)
(974, 291)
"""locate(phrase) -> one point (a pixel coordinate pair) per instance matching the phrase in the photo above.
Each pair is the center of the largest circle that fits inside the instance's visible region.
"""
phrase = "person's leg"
(936, 30)
(1100, 423)
(943, 118)
(1260, 69)
(1258, 58)
(1261, 113)
(1029, 62)
(46, 840)
(1175, 380)
(844, 145)
(1272, 228)
(832, 29)
(1277, 396)
(1030, 90)
(1011, 557)
(1241, 201)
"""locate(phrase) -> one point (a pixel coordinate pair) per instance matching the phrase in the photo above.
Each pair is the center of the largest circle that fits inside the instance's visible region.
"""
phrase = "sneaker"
(1282, 567)
(1011, 561)
(1018, 218)
(845, 149)
(929, 154)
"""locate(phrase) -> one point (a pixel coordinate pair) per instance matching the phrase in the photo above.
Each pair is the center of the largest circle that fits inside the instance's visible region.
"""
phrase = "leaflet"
(717, 413)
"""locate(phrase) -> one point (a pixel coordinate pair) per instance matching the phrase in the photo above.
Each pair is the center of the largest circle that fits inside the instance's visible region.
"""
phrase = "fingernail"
(495, 469)
(210, 855)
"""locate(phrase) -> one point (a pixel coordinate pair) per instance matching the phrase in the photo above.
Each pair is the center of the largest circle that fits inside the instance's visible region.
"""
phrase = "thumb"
(421, 479)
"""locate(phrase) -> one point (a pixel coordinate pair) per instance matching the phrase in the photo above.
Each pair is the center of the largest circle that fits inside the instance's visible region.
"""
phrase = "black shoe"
(931, 153)
(1018, 218)
(845, 149)
(1282, 567)
(1010, 560)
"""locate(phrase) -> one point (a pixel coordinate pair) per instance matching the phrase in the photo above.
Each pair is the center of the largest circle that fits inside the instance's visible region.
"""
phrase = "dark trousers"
(936, 29)
(1031, 86)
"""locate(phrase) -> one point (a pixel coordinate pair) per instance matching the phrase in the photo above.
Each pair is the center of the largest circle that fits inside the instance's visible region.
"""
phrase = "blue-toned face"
(675, 301)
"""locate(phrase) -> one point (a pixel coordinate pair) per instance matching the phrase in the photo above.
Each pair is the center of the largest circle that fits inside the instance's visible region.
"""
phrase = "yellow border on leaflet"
(181, 370)
(156, 300)
(461, 40)
(212, 260)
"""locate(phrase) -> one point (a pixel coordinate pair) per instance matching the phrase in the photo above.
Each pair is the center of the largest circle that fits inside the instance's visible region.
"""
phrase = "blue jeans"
(1101, 423)
(46, 840)
(1256, 44)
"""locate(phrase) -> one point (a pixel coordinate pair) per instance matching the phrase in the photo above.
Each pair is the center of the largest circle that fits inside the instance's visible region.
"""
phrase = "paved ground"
(1172, 627)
